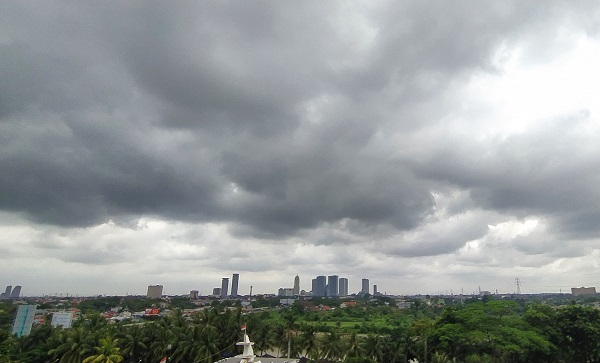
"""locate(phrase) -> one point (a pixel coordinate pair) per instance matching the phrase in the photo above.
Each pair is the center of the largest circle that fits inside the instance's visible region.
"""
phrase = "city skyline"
(430, 146)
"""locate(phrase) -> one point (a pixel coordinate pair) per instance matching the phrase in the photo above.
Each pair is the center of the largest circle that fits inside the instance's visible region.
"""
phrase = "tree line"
(476, 331)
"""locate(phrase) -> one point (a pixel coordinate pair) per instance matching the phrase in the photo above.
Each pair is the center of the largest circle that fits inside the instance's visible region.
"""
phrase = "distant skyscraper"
(343, 291)
(234, 285)
(297, 285)
(375, 292)
(154, 292)
(332, 285)
(365, 286)
(16, 292)
(194, 294)
(318, 286)
(217, 292)
(24, 320)
(6, 294)
(224, 287)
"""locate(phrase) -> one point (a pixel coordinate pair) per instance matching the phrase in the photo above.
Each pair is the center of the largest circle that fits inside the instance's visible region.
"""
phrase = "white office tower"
(297, 285)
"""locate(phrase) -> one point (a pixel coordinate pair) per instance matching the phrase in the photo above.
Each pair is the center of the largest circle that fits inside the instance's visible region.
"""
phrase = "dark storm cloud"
(549, 171)
(273, 117)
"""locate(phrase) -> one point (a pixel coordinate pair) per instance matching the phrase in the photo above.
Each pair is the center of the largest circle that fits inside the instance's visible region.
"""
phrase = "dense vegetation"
(372, 331)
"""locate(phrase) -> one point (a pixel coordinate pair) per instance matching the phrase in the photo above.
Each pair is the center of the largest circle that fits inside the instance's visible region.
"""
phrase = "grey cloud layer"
(274, 118)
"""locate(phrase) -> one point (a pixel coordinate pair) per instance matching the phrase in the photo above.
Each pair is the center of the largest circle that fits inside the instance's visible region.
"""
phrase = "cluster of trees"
(476, 331)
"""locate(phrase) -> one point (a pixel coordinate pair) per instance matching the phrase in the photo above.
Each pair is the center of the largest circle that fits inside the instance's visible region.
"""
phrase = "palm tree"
(208, 351)
(228, 325)
(289, 327)
(135, 344)
(309, 343)
(74, 345)
(355, 348)
(332, 347)
(395, 349)
(161, 342)
(262, 337)
(374, 346)
(189, 344)
(107, 352)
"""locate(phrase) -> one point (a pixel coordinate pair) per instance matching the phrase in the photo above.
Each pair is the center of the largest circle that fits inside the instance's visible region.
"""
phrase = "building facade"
(332, 285)
(365, 286)
(297, 285)
(318, 286)
(224, 287)
(63, 319)
(154, 292)
(24, 320)
(234, 285)
(16, 293)
(578, 291)
(285, 291)
(343, 290)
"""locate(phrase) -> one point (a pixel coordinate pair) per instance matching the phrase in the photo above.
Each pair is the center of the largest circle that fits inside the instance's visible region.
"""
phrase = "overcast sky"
(430, 146)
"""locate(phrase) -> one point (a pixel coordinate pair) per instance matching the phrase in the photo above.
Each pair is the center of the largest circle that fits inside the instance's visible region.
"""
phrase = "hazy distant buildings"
(578, 291)
(297, 285)
(365, 286)
(24, 320)
(285, 291)
(343, 290)
(194, 294)
(217, 292)
(375, 292)
(16, 292)
(154, 292)
(224, 287)
(234, 285)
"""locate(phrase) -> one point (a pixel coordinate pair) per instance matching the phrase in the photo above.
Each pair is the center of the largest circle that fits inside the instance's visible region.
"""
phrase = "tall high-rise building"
(343, 291)
(365, 286)
(234, 285)
(6, 294)
(194, 294)
(224, 286)
(332, 285)
(154, 292)
(375, 292)
(16, 292)
(24, 320)
(318, 286)
(297, 285)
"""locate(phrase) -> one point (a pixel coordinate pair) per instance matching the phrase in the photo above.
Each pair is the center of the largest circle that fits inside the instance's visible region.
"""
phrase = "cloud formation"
(398, 142)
